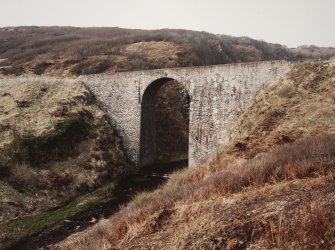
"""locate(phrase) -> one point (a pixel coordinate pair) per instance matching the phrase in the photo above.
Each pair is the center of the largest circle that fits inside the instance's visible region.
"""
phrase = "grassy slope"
(14, 231)
(70, 50)
(300, 104)
(272, 187)
(56, 144)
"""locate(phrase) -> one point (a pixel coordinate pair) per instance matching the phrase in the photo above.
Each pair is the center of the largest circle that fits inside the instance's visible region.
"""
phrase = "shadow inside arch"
(164, 135)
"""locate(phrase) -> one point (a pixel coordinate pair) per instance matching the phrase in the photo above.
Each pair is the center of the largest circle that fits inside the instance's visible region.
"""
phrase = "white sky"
(289, 22)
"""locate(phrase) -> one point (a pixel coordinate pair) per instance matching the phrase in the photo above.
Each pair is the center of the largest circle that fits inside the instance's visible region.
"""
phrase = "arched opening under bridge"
(164, 123)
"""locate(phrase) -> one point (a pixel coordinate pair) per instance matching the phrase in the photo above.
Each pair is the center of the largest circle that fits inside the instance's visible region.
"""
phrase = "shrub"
(39, 68)
(4, 167)
(13, 70)
(22, 175)
(91, 67)
(61, 180)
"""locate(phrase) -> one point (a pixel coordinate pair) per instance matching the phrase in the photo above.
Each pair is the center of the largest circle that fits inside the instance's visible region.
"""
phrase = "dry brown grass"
(311, 227)
(300, 104)
(26, 178)
(309, 157)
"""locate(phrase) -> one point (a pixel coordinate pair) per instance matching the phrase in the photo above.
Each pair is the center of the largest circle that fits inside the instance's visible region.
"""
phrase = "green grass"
(16, 230)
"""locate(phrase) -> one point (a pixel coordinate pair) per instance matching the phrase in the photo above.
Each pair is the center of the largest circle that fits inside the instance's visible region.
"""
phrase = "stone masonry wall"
(218, 94)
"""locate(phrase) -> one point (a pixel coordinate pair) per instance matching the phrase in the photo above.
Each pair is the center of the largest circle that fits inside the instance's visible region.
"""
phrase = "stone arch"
(149, 130)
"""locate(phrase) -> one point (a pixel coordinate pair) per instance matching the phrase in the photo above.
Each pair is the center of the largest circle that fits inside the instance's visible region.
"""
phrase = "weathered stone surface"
(217, 95)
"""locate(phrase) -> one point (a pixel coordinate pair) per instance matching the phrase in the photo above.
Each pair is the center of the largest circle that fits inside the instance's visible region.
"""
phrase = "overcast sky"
(288, 22)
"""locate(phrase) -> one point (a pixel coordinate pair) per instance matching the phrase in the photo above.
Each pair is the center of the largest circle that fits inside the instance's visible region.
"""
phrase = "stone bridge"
(217, 95)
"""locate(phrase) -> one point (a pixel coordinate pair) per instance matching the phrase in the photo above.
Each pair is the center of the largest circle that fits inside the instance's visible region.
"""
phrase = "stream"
(147, 179)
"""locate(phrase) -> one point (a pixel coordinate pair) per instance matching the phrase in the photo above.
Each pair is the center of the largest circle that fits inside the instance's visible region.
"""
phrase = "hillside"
(271, 187)
(56, 144)
(75, 51)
